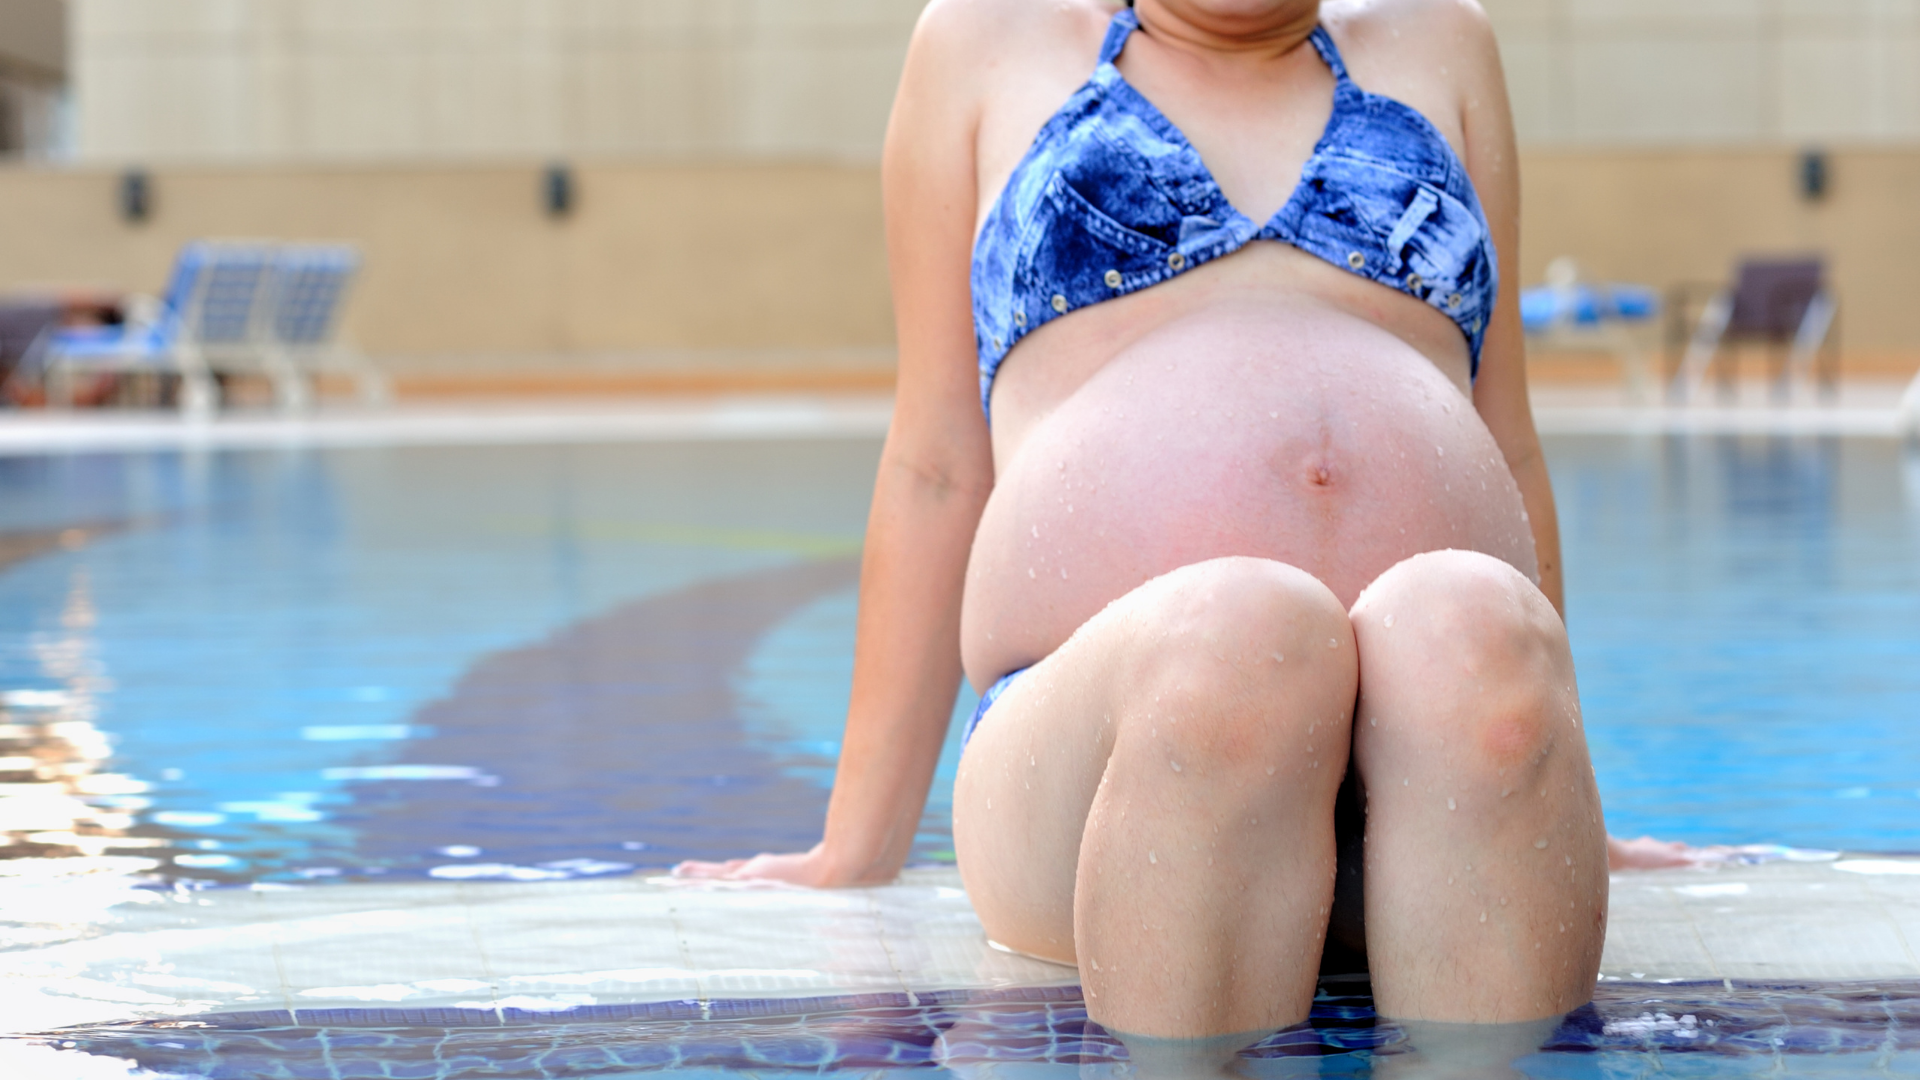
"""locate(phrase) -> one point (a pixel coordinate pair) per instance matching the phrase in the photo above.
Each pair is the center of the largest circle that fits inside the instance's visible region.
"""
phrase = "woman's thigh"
(1224, 629)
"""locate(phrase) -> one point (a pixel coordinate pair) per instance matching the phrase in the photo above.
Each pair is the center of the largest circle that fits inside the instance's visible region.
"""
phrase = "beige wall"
(1711, 72)
(462, 260)
(783, 264)
(387, 80)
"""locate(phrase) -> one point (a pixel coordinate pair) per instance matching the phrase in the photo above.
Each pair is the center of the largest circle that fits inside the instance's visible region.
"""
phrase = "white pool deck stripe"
(741, 418)
(87, 948)
(1871, 409)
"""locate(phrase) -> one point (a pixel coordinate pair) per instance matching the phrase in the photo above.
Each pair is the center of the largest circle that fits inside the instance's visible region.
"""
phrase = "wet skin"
(1248, 526)
(1192, 483)
(1267, 421)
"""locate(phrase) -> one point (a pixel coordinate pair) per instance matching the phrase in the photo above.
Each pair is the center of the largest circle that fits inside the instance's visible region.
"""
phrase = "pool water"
(344, 664)
(1745, 618)
(1710, 1030)
(539, 663)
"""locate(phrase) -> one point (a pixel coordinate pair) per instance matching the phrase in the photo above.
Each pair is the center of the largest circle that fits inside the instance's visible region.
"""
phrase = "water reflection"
(1685, 1030)
(1779, 479)
(54, 798)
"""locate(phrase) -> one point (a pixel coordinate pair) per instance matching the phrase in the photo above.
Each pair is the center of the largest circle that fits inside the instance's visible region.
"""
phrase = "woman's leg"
(1486, 879)
(1155, 800)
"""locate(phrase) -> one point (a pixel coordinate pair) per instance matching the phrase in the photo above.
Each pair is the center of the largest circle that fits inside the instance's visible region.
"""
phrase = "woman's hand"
(1646, 853)
(810, 868)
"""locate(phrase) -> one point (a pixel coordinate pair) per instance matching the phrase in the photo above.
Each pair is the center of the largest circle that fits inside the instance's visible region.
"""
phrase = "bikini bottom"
(1346, 950)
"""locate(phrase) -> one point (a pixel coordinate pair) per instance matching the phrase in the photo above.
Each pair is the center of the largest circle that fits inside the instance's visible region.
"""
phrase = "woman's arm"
(1500, 392)
(935, 474)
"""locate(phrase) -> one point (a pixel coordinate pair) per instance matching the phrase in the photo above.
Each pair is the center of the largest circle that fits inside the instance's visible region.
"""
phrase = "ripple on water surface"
(1709, 1029)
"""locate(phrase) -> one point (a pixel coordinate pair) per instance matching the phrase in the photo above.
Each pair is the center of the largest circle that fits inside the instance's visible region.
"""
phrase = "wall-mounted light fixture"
(136, 196)
(1813, 175)
(556, 190)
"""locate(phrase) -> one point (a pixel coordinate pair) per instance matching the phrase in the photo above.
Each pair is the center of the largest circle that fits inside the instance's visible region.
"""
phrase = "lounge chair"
(208, 320)
(1570, 313)
(1784, 303)
(310, 283)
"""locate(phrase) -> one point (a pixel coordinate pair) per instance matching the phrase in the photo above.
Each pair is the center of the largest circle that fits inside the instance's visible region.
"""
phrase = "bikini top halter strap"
(1123, 25)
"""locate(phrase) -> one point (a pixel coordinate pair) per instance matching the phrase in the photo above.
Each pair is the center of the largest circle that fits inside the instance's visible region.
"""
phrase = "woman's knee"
(1239, 659)
(1459, 645)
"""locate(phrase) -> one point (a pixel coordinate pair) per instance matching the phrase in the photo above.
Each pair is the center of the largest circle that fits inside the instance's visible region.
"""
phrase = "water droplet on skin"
(1274, 415)
(1333, 643)
(1279, 659)
(1440, 451)
(1503, 901)
(1483, 916)
(1375, 721)
(1030, 573)
(1406, 781)
(1451, 806)
(1095, 963)
(1388, 621)
(1036, 532)
(1063, 573)
(1152, 858)
(1569, 860)
(1175, 764)
(1269, 770)
(989, 804)
(1540, 843)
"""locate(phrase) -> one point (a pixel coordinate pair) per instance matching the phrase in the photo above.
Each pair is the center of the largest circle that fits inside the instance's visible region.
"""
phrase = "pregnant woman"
(1213, 466)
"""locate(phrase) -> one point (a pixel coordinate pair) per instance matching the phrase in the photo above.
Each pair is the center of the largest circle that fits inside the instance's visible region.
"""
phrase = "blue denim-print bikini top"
(1112, 199)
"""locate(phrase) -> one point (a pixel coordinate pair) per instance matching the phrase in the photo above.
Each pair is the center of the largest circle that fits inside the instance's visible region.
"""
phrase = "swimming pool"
(326, 668)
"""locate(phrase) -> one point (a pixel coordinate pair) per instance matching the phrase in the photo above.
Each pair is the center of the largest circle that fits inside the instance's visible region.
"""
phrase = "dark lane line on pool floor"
(619, 731)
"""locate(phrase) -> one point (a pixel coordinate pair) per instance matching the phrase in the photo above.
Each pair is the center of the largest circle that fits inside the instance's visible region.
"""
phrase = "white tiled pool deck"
(1861, 408)
(78, 948)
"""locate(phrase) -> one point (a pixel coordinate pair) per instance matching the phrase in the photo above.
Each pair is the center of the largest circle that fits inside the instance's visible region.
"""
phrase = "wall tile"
(1665, 17)
(1668, 92)
(1827, 87)
(1533, 86)
(475, 78)
(1899, 105)
(1521, 16)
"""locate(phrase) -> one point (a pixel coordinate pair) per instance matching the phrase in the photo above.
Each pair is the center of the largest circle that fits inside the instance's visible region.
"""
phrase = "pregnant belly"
(1325, 443)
